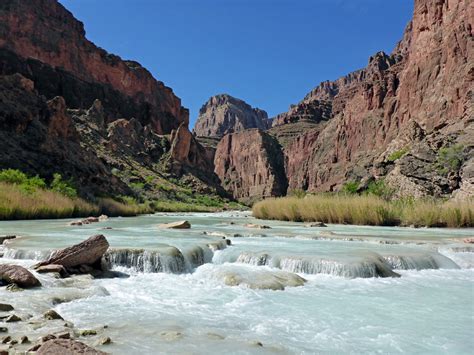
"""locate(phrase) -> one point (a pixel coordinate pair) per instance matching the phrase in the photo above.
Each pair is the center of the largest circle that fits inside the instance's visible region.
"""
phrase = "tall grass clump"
(18, 203)
(367, 209)
(126, 207)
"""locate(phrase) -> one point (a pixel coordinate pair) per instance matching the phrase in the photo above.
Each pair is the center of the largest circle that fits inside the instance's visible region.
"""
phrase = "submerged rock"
(16, 274)
(6, 307)
(88, 253)
(66, 347)
(315, 224)
(53, 268)
(176, 225)
(257, 226)
(171, 335)
(12, 318)
(52, 315)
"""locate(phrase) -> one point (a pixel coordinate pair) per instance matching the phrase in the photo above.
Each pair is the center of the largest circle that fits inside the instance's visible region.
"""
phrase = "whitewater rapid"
(223, 287)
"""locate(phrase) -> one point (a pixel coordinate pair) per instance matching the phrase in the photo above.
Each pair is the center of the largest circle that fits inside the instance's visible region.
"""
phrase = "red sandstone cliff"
(399, 118)
(223, 114)
(427, 80)
(68, 106)
(250, 165)
(45, 31)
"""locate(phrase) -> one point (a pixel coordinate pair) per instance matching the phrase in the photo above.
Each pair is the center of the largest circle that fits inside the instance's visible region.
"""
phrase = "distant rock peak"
(223, 114)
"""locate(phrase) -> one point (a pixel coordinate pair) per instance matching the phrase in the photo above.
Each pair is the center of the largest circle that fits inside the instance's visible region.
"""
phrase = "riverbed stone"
(66, 347)
(63, 335)
(3, 330)
(257, 226)
(176, 225)
(53, 268)
(171, 335)
(12, 318)
(52, 315)
(16, 274)
(315, 225)
(88, 252)
(104, 341)
(4, 307)
(24, 340)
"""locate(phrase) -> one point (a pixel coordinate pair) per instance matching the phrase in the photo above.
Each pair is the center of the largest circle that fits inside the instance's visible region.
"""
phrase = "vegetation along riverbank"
(368, 210)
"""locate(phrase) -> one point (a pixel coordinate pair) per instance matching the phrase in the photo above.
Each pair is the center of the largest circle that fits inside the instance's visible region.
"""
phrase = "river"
(190, 292)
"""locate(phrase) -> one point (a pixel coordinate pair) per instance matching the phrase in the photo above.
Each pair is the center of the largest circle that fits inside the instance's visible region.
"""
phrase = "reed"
(16, 203)
(367, 210)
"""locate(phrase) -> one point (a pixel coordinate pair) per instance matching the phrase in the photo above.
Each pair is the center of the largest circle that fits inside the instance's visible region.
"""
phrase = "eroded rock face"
(250, 165)
(427, 80)
(69, 107)
(43, 41)
(223, 114)
(16, 274)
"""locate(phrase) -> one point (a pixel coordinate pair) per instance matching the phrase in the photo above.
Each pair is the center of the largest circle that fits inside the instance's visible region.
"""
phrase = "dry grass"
(18, 204)
(112, 207)
(367, 210)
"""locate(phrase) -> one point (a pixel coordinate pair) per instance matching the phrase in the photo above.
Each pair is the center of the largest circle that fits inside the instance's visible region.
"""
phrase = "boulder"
(88, 252)
(12, 319)
(66, 347)
(176, 225)
(469, 240)
(52, 315)
(15, 274)
(5, 307)
(52, 268)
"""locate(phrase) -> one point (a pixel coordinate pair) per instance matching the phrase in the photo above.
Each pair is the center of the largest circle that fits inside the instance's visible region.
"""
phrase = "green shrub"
(12, 176)
(63, 187)
(450, 158)
(350, 187)
(299, 193)
(380, 189)
(25, 183)
(397, 154)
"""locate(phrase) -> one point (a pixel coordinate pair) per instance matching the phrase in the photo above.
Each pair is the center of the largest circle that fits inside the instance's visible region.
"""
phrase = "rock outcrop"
(250, 165)
(88, 253)
(427, 80)
(16, 274)
(69, 107)
(223, 114)
(41, 40)
(407, 117)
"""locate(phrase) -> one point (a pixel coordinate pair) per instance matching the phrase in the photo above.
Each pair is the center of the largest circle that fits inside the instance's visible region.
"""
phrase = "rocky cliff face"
(68, 106)
(223, 114)
(250, 165)
(426, 81)
(44, 42)
(407, 117)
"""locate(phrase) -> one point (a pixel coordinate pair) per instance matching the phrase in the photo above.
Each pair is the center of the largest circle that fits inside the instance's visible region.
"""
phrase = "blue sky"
(269, 53)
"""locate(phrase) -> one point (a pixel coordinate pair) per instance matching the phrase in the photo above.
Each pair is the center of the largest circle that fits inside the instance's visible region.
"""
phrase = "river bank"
(368, 210)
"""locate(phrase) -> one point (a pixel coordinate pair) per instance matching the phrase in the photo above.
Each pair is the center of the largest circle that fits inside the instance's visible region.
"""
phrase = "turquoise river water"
(191, 293)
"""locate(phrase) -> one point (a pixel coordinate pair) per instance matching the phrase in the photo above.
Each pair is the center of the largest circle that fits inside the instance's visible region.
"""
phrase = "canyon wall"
(70, 107)
(407, 117)
(223, 114)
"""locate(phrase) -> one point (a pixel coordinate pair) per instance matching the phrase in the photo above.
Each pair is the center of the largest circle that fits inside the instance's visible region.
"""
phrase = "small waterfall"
(371, 265)
(463, 256)
(169, 260)
(26, 254)
(420, 261)
(254, 259)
